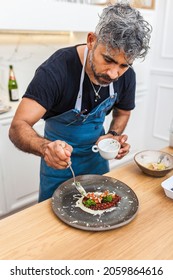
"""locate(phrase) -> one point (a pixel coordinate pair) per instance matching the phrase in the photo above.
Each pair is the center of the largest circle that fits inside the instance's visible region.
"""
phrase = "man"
(74, 90)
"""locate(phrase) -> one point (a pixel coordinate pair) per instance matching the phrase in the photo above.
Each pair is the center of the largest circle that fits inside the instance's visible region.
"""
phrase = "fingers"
(124, 150)
(122, 138)
(125, 147)
(57, 154)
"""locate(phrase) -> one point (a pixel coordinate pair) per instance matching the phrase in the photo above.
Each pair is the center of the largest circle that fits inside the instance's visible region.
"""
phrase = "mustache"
(106, 78)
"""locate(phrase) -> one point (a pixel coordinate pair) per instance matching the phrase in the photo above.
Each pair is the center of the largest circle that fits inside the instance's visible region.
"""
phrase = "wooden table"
(36, 233)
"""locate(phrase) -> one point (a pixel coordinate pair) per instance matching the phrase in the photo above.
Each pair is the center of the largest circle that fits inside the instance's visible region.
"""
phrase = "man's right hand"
(58, 154)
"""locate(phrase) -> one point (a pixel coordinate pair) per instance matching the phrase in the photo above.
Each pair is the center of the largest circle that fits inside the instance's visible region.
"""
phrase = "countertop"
(37, 234)
(12, 106)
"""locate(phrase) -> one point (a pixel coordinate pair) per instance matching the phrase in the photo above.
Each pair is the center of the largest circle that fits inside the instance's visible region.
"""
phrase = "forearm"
(119, 121)
(25, 138)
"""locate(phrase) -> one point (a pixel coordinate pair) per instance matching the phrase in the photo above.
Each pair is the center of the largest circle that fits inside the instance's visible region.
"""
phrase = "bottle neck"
(11, 75)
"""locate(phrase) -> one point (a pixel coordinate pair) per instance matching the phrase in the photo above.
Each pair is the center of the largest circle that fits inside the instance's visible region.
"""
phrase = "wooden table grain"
(37, 234)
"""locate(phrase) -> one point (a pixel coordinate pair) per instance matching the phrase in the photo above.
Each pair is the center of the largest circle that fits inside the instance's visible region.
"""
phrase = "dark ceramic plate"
(65, 197)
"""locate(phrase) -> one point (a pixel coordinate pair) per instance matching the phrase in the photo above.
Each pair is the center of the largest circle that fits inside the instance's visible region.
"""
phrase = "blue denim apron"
(81, 132)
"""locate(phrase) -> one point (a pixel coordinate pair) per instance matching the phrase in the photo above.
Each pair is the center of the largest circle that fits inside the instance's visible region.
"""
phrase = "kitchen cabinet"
(2, 195)
(48, 15)
(19, 172)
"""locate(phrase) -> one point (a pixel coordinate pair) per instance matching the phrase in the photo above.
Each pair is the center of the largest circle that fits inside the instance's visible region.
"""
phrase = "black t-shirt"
(55, 85)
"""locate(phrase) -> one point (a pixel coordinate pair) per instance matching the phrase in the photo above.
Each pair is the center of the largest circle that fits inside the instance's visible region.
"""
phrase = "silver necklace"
(97, 96)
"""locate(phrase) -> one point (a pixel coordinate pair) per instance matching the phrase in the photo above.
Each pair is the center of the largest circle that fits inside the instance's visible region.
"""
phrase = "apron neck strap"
(78, 104)
(111, 90)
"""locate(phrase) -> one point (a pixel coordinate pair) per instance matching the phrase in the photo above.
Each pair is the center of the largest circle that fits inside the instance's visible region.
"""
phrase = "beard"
(102, 79)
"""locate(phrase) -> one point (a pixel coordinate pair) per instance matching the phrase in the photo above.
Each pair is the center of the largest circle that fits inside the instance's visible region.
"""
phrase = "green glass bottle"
(12, 85)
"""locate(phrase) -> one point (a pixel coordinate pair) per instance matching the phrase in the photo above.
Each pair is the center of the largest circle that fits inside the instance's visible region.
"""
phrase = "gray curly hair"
(122, 27)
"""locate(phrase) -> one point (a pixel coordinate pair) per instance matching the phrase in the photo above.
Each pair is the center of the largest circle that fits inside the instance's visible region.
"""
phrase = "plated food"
(100, 200)
(156, 166)
(68, 204)
(97, 203)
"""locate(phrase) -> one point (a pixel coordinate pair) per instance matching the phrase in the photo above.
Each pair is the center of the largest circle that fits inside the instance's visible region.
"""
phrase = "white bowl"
(167, 185)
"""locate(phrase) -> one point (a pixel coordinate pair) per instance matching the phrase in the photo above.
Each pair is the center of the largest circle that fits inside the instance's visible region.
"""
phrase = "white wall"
(47, 15)
(26, 52)
(160, 98)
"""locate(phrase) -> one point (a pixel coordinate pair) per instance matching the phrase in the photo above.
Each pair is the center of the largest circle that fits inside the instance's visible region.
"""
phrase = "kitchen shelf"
(47, 15)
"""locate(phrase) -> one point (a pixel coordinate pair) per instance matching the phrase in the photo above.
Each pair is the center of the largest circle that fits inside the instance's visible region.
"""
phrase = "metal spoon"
(161, 157)
(77, 184)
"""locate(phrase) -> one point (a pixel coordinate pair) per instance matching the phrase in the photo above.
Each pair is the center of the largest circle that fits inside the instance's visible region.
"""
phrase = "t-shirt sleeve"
(44, 88)
(126, 91)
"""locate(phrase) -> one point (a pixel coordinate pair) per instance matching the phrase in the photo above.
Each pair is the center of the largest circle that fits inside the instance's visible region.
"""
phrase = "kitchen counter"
(36, 233)
(12, 109)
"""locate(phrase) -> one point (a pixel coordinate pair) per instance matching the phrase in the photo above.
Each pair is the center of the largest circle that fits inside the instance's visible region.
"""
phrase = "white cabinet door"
(3, 207)
(20, 171)
(160, 102)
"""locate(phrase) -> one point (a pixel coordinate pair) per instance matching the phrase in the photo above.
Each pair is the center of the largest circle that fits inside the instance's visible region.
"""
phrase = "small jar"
(171, 135)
